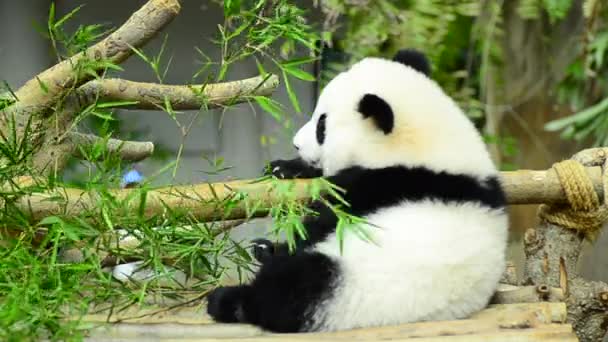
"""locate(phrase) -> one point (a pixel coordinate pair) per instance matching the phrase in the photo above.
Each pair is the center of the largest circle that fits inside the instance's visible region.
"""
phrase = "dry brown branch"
(54, 155)
(527, 294)
(552, 256)
(535, 187)
(142, 26)
(510, 274)
(180, 97)
(45, 94)
(551, 253)
(128, 150)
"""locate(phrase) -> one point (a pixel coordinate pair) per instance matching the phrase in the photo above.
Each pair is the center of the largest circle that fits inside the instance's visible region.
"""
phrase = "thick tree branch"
(206, 202)
(535, 187)
(552, 256)
(128, 150)
(508, 294)
(180, 97)
(142, 26)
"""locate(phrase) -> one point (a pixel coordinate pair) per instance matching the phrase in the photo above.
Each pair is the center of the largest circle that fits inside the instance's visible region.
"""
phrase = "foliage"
(41, 285)
(584, 88)
(463, 41)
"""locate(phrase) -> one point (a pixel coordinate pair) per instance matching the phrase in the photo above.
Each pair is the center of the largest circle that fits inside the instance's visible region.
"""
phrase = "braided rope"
(585, 211)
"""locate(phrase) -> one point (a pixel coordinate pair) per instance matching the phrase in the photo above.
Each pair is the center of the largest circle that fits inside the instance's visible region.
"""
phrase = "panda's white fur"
(448, 264)
(430, 129)
(445, 267)
(430, 259)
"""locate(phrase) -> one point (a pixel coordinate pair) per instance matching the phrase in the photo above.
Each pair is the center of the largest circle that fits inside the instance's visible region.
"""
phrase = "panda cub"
(416, 169)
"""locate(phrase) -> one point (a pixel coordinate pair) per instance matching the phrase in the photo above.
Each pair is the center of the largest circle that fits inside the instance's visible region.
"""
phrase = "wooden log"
(546, 312)
(535, 187)
(205, 202)
(512, 320)
(221, 332)
(543, 312)
(527, 294)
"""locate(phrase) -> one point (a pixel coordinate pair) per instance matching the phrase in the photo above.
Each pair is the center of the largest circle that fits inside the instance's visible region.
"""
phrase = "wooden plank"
(549, 333)
(502, 321)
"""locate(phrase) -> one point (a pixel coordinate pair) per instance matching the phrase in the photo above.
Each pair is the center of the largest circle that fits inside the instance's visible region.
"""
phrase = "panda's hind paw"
(224, 304)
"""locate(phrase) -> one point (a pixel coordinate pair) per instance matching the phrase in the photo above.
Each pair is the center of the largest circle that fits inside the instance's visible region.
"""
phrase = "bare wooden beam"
(535, 187)
(512, 322)
(207, 201)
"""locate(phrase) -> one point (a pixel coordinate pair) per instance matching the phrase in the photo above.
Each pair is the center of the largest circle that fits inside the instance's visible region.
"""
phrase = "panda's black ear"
(414, 59)
(372, 106)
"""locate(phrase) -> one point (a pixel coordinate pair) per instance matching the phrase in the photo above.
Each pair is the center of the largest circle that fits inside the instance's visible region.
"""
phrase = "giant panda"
(414, 167)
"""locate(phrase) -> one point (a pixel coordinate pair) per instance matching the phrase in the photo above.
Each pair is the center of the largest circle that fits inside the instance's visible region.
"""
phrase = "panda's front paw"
(262, 249)
(290, 169)
(281, 169)
(223, 304)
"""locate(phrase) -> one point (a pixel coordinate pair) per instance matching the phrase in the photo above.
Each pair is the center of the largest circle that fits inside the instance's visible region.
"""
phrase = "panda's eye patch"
(321, 129)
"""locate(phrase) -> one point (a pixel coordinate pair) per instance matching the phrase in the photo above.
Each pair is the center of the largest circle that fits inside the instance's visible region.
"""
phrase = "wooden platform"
(543, 321)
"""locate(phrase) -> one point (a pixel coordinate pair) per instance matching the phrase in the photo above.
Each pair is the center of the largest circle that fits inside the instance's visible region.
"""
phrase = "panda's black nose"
(296, 147)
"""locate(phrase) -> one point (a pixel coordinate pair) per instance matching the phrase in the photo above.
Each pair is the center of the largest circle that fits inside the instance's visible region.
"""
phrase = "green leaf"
(231, 7)
(557, 9)
(241, 251)
(269, 106)
(116, 104)
(43, 86)
(581, 116)
(103, 115)
(66, 17)
(50, 220)
(301, 74)
(260, 67)
(106, 216)
(51, 15)
(71, 232)
(292, 95)
(299, 61)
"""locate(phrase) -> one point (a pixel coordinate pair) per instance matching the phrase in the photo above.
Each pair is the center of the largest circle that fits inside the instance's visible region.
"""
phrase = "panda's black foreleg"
(280, 296)
(292, 168)
(318, 227)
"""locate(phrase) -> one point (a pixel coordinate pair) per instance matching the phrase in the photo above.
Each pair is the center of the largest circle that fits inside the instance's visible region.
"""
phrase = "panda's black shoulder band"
(368, 190)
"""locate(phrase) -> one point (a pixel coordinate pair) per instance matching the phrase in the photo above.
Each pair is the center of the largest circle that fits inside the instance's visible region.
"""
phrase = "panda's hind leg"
(281, 296)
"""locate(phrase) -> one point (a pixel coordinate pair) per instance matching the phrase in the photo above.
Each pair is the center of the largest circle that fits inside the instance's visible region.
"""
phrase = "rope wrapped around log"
(584, 211)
